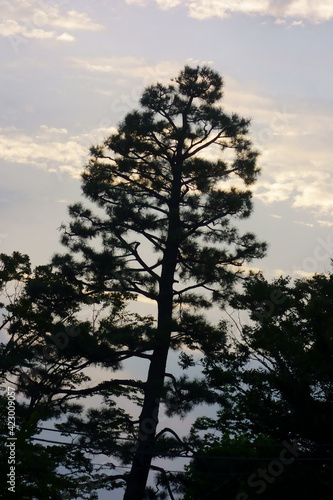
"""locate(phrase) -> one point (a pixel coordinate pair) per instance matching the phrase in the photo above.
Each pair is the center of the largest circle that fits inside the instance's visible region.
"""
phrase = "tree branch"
(163, 472)
(101, 387)
(205, 145)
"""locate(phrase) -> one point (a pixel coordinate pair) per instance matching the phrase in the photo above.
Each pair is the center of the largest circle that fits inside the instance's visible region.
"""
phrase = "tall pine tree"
(163, 187)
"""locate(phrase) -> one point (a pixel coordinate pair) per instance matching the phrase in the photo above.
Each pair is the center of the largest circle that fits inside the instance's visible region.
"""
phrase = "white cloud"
(302, 223)
(202, 9)
(65, 37)
(52, 149)
(29, 19)
(318, 194)
(136, 2)
(325, 223)
(74, 20)
(300, 273)
(295, 144)
(294, 138)
(164, 4)
(296, 182)
(130, 67)
(297, 23)
(322, 10)
(278, 272)
(16, 147)
(11, 28)
(54, 130)
(169, 3)
(269, 191)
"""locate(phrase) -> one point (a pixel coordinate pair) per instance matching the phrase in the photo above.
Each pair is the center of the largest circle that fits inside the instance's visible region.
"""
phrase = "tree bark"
(138, 476)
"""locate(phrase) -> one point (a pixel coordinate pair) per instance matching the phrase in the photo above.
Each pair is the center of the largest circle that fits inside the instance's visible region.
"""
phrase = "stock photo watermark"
(3, 236)
(263, 477)
(59, 340)
(276, 126)
(50, 351)
(147, 426)
(32, 25)
(267, 306)
(323, 252)
(11, 439)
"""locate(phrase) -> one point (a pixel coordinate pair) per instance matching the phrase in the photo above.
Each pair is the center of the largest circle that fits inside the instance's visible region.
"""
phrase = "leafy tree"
(162, 230)
(276, 383)
(242, 469)
(38, 321)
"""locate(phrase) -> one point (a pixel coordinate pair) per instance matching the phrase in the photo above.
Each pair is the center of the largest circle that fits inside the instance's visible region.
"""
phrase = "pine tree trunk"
(137, 479)
(154, 386)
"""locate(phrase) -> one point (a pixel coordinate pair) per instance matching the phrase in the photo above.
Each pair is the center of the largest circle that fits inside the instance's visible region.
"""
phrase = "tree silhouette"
(166, 232)
(164, 198)
(275, 381)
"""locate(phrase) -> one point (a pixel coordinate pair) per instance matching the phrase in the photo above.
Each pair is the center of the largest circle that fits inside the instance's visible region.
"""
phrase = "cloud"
(164, 4)
(130, 75)
(271, 190)
(296, 183)
(300, 273)
(130, 67)
(74, 20)
(201, 9)
(28, 19)
(169, 3)
(294, 137)
(319, 11)
(65, 37)
(302, 223)
(317, 193)
(53, 130)
(52, 149)
(297, 23)
(325, 223)
(11, 28)
(45, 150)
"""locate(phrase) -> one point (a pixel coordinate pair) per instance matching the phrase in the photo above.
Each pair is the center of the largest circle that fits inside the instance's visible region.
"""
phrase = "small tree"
(44, 349)
(165, 192)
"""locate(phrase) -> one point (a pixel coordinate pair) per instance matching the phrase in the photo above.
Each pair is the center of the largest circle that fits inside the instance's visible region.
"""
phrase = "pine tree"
(43, 356)
(163, 187)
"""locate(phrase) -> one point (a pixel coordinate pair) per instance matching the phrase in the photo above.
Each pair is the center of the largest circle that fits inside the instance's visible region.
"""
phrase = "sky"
(71, 70)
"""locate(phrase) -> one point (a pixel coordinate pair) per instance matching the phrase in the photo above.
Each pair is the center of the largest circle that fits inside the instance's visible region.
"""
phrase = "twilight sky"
(71, 69)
